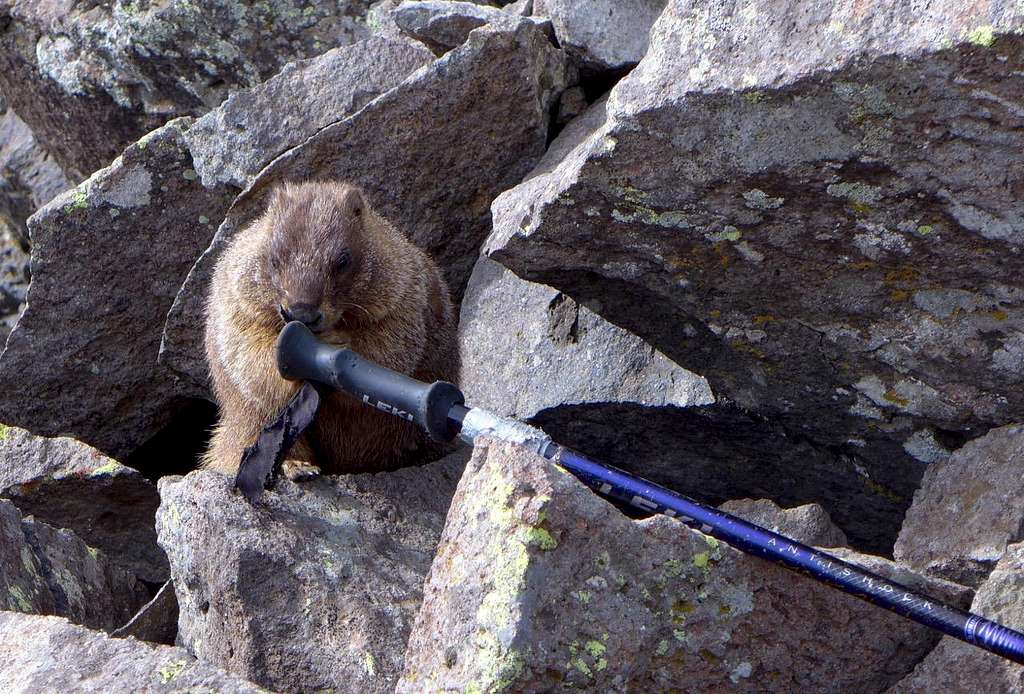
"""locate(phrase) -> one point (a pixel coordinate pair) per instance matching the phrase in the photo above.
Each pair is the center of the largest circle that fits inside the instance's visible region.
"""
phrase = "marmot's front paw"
(299, 470)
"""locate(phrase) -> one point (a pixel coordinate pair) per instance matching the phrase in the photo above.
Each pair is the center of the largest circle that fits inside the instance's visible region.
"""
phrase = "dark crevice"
(177, 448)
(715, 454)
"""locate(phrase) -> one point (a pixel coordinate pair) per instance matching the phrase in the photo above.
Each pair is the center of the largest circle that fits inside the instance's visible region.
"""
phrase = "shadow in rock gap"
(715, 454)
(176, 449)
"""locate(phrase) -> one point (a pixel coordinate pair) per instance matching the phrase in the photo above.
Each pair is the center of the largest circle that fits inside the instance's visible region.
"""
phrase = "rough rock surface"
(957, 666)
(67, 484)
(539, 585)
(47, 654)
(792, 217)
(14, 280)
(29, 177)
(44, 570)
(156, 621)
(968, 509)
(440, 24)
(526, 347)
(602, 34)
(107, 260)
(808, 524)
(230, 146)
(90, 78)
(444, 24)
(409, 150)
(315, 587)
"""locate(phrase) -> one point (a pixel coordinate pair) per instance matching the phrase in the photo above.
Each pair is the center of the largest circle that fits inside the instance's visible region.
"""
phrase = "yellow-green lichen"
(662, 648)
(700, 560)
(370, 664)
(982, 36)
(540, 538)
(925, 229)
(673, 567)
(4, 431)
(108, 469)
(189, 174)
(596, 649)
(583, 596)
(79, 201)
(18, 600)
(170, 671)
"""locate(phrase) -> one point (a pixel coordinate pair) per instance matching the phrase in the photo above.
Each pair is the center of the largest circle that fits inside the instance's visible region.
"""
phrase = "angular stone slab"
(47, 654)
(90, 78)
(606, 35)
(814, 221)
(315, 587)
(431, 154)
(526, 347)
(107, 260)
(30, 176)
(48, 571)
(156, 621)
(232, 143)
(68, 484)
(808, 524)
(968, 509)
(539, 585)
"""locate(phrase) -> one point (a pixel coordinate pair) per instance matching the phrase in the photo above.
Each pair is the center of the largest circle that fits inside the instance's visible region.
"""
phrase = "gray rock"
(968, 509)
(14, 280)
(431, 154)
(317, 585)
(91, 78)
(233, 142)
(48, 571)
(107, 260)
(957, 666)
(445, 24)
(29, 177)
(539, 585)
(156, 621)
(67, 484)
(440, 24)
(47, 654)
(802, 242)
(526, 348)
(808, 524)
(602, 34)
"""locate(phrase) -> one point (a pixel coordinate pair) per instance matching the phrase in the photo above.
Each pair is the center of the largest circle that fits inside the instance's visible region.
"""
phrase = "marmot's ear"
(352, 202)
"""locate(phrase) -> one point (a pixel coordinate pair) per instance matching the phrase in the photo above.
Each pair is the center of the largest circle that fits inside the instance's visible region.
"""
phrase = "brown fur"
(321, 244)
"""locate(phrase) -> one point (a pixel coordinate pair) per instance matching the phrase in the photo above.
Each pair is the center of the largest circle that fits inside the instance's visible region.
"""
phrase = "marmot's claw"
(299, 470)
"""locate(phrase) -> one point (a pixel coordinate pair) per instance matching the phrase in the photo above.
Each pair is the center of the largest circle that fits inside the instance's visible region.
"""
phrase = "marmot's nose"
(304, 313)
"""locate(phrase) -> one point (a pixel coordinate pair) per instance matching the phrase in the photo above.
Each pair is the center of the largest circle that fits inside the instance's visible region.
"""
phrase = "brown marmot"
(321, 255)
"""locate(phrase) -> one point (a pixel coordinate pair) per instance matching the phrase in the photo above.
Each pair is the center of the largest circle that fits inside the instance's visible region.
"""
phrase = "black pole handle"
(303, 357)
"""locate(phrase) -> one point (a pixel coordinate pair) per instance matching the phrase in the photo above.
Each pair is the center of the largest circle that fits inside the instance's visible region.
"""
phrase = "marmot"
(321, 255)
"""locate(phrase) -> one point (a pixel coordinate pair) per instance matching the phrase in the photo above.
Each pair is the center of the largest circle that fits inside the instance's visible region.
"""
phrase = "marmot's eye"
(343, 261)
(275, 264)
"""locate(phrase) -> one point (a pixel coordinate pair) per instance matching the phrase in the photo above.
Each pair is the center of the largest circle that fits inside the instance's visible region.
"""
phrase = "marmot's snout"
(309, 314)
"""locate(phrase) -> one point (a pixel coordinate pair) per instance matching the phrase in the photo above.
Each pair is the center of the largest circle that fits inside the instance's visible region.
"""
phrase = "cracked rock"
(315, 587)
(44, 570)
(820, 221)
(539, 585)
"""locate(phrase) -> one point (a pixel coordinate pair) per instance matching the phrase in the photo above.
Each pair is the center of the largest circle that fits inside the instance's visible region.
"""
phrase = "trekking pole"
(440, 410)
